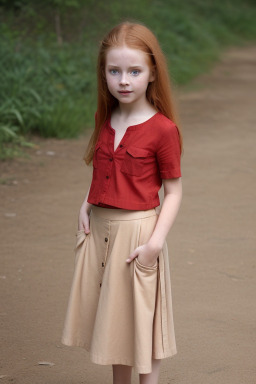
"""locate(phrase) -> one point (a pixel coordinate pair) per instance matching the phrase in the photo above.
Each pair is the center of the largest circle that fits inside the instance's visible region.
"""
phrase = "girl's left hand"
(147, 255)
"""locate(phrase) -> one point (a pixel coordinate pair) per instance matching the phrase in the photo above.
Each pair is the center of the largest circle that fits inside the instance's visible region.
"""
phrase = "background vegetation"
(48, 54)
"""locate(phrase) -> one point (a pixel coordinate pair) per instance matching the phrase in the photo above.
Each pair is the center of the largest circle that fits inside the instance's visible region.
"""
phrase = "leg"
(151, 378)
(122, 374)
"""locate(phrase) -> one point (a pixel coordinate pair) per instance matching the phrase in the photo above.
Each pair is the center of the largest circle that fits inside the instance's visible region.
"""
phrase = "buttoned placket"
(112, 154)
(108, 173)
(105, 241)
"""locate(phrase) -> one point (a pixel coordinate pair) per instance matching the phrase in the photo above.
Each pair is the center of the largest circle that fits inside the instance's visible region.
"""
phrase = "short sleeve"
(168, 152)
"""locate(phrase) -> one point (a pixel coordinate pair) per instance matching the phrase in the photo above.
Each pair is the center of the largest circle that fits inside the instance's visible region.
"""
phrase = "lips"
(124, 92)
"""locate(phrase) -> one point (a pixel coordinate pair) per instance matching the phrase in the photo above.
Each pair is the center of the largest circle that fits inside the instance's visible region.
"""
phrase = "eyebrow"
(132, 66)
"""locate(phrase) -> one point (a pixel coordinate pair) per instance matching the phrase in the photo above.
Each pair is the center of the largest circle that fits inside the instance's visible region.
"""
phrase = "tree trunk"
(58, 27)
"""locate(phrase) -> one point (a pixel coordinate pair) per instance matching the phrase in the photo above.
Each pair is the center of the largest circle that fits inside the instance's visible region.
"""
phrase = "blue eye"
(135, 72)
(113, 71)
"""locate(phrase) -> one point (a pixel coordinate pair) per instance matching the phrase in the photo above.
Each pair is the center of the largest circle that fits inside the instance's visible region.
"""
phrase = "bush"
(47, 74)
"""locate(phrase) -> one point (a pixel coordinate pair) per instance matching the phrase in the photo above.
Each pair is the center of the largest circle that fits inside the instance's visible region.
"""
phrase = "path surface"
(212, 244)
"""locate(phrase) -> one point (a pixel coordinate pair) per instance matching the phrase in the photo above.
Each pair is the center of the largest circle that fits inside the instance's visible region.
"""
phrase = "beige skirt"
(121, 313)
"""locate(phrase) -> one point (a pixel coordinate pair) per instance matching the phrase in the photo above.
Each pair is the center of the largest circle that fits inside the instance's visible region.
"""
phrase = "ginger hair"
(135, 36)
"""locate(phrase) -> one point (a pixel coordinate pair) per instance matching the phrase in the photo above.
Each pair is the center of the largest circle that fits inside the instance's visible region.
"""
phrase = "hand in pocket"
(146, 254)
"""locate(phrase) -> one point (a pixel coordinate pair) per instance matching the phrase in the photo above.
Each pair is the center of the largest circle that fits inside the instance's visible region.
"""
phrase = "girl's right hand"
(84, 220)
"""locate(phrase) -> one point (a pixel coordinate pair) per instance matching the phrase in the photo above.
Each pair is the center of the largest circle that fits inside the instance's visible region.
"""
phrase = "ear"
(152, 75)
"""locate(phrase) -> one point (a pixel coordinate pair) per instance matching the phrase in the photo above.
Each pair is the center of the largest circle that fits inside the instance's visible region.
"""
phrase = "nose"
(124, 79)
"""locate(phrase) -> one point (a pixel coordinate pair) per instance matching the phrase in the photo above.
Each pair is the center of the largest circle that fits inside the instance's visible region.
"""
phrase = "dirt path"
(212, 244)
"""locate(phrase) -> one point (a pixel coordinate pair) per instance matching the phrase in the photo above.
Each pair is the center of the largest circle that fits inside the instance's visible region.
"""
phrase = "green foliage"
(11, 141)
(48, 54)
(45, 91)
(25, 4)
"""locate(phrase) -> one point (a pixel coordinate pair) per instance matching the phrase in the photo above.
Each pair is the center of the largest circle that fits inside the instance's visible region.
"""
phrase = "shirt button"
(106, 239)
(121, 145)
(110, 159)
(107, 177)
(102, 264)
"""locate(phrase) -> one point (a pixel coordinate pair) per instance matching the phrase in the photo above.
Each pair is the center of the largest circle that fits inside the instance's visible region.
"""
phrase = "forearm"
(147, 253)
(170, 208)
(84, 215)
(85, 205)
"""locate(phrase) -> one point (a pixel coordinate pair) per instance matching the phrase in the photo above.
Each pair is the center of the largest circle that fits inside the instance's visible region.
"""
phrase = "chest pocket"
(134, 161)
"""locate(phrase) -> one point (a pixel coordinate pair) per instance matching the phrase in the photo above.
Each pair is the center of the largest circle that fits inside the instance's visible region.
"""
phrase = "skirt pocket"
(80, 237)
(144, 298)
(73, 333)
(146, 268)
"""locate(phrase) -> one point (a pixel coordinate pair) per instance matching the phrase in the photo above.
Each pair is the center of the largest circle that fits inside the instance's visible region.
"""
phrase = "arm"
(148, 253)
(84, 219)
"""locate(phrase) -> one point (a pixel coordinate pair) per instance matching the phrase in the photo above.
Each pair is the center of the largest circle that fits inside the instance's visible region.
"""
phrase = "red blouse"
(131, 176)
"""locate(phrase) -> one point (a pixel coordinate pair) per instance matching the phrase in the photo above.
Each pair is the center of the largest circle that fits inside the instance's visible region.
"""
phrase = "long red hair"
(135, 36)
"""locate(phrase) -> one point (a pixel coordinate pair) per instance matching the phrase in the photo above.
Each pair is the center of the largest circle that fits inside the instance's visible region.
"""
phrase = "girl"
(120, 307)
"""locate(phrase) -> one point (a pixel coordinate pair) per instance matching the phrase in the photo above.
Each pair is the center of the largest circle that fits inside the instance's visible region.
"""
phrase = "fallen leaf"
(47, 363)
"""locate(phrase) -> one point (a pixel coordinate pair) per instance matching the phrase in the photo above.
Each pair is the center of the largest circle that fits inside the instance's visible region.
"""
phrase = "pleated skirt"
(121, 313)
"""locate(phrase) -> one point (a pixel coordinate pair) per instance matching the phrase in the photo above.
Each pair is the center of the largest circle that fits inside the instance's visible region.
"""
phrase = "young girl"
(120, 307)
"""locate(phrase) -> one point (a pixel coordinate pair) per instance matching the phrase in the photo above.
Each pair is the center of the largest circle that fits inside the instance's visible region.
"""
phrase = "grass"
(50, 90)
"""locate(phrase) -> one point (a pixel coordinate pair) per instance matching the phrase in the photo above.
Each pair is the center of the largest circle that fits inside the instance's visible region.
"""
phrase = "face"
(128, 74)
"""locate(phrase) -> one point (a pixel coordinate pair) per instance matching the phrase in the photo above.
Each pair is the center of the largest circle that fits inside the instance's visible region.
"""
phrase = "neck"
(138, 108)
